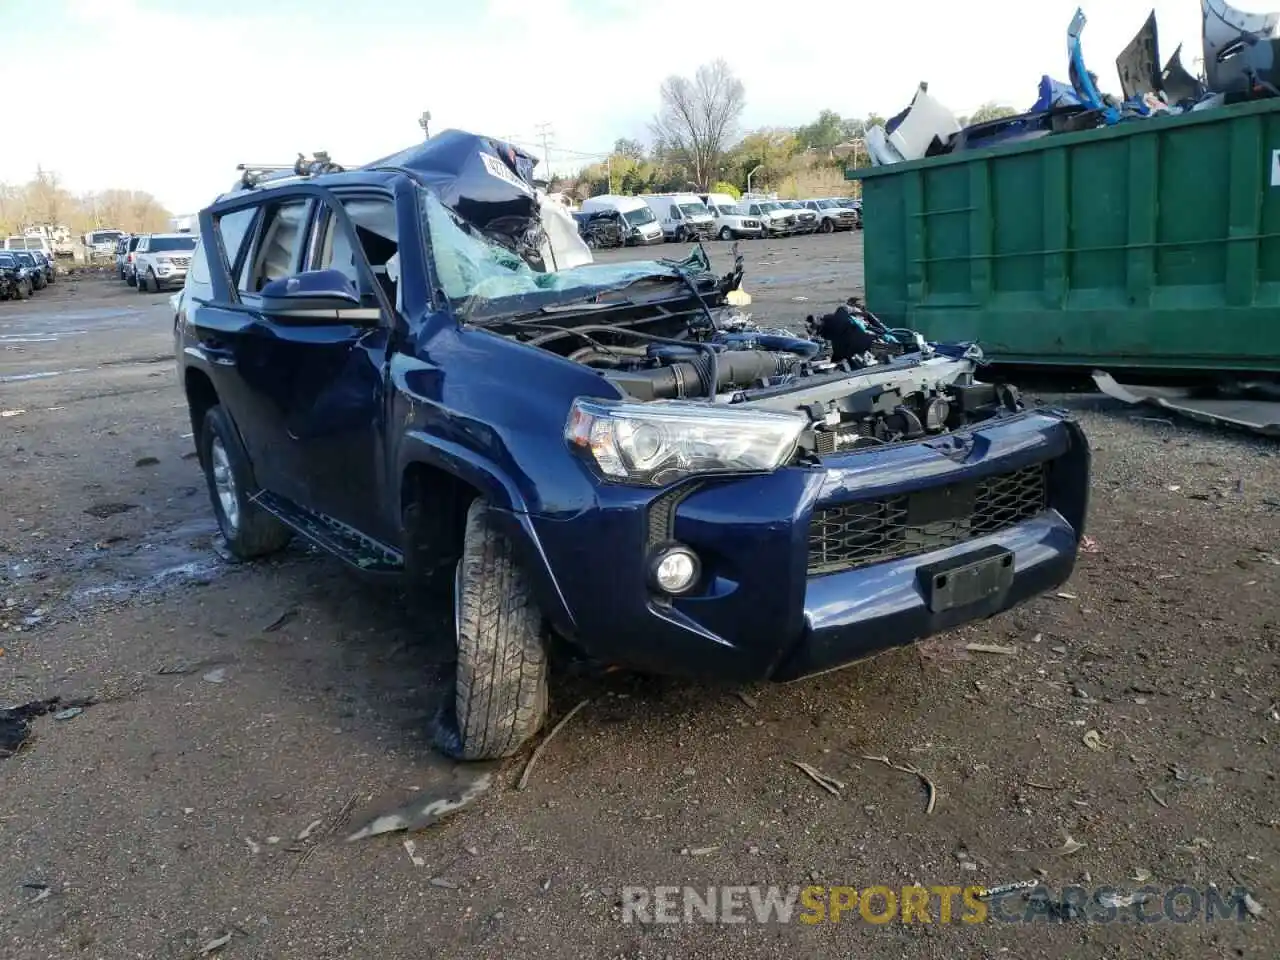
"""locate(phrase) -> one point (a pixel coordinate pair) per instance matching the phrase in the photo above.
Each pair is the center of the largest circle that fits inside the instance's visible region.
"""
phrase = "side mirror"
(310, 294)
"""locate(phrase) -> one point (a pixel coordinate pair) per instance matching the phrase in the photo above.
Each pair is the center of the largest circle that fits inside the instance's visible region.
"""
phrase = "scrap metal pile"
(1241, 62)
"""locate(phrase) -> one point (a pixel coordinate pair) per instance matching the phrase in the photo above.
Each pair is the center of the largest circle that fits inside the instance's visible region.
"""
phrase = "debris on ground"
(104, 510)
(146, 461)
(746, 698)
(309, 829)
(698, 851)
(216, 676)
(68, 714)
(1093, 740)
(1070, 846)
(1252, 905)
(1089, 545)
(281, 619)
(1157, 798)
(533, 759)
(213, 946)
(411, 848)
(992, 648)
(913, 770)
(15, 722)
(829, 784)
(1245, 406)
(1119, 901)
(433, 805)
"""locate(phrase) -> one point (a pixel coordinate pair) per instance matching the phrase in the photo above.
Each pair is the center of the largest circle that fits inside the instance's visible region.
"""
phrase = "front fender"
(510, 513)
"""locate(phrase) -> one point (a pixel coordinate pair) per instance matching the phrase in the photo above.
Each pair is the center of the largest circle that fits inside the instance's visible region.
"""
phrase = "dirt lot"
(239, 705)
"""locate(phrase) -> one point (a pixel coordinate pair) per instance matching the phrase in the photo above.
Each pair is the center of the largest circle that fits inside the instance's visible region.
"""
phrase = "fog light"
(674, 570)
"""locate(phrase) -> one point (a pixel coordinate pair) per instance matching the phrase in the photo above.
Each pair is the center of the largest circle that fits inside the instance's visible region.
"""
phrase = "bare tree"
(699, 116)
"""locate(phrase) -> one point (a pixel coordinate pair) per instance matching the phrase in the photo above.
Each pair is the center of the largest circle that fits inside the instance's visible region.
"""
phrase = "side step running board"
(344, 542)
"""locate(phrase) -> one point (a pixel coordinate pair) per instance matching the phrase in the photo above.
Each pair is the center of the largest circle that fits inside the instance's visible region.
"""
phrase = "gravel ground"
(250, 717)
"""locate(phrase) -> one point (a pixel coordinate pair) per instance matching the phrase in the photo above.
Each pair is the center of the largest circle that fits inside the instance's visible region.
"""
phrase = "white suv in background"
(162, 260)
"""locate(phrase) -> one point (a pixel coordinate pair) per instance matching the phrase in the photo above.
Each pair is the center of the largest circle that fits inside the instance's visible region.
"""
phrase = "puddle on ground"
(185, 553)
(119, 570)
(41, 336)
(42, 375)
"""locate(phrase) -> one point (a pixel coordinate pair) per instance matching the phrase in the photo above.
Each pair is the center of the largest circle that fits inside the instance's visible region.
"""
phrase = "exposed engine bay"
(860, 383)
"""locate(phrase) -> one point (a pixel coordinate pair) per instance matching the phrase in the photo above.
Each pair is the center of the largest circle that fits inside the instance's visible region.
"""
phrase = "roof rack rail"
(253, 174)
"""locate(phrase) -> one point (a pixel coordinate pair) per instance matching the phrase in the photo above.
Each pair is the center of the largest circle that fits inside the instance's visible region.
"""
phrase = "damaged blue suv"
(409, 365)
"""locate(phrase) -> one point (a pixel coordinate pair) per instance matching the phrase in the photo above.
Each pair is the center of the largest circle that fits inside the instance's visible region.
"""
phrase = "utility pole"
(545, 133)
(424, 122)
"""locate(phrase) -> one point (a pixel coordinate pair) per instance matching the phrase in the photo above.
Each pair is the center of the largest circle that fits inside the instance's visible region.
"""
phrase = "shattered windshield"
(478, 274)
(638, 218)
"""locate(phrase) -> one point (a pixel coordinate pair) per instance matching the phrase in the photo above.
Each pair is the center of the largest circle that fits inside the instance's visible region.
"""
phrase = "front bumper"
(169, 276)
(761, 613)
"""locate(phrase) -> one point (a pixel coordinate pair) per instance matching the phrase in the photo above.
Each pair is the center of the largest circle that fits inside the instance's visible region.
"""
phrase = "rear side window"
(199, 266)
(232, 229)
(280, 247)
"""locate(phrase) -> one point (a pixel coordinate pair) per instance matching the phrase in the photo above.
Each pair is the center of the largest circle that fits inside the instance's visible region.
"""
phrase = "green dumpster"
(1151, 244)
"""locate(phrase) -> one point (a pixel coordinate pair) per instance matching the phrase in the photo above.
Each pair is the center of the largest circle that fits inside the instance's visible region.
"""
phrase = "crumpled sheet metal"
(1224, 29)
(1256, 416)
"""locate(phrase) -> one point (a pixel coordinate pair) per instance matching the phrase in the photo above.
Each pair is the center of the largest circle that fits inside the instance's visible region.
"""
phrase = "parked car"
(683, 216)
(806, 219)
(601, 229)
(734, 223)
(832, 216)
(606, 450)
(45, 266)
(39, 279)
(125, 253)
(15, 279)
(642, 226)
(776, 219)
(162, 260)
(855, 205)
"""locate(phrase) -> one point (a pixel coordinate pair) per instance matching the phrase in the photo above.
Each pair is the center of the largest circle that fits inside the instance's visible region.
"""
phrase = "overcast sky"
(169, 96)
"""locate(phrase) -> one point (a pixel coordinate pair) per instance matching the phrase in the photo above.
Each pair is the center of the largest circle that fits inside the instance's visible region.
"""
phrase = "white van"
(30, 242)
(642, 225)
(683, 216)
(713, 200)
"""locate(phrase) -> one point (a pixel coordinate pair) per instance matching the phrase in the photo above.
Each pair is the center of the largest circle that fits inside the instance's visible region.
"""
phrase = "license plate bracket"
(966, 579)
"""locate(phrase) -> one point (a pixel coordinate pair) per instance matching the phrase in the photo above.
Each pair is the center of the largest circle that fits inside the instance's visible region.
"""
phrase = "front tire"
(153, 285)
(501, 694)
(828, 226)
(249, 530)
(726, 233)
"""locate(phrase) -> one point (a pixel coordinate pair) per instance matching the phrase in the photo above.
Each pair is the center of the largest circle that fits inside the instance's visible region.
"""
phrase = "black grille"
(873, 531)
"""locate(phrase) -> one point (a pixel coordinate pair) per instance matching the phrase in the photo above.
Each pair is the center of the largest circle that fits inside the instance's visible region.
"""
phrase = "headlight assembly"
(657, 443)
